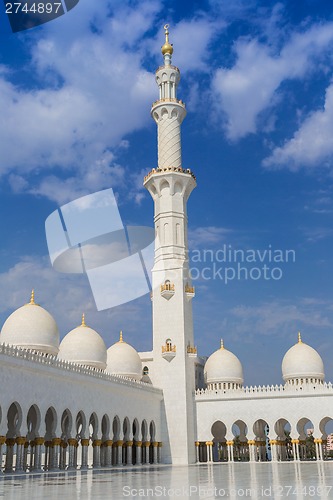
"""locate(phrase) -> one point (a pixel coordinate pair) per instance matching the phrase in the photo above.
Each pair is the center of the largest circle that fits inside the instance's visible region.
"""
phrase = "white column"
(319, 451)
(10, 442)
(146, 445)
(97, 453)
(71, 453)
(129, 446)
(25, 456)
(55, 453)
(108, 452)
(251, 444)
(84, 454)
(155, 452)
(20, 442)
(138, 453)
(39, 441)
(119, 455)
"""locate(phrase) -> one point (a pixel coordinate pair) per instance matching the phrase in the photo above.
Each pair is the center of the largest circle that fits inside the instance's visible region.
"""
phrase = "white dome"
(31, 327)
(124, 360)
(223, 367)
(302, 361)
(83, 346)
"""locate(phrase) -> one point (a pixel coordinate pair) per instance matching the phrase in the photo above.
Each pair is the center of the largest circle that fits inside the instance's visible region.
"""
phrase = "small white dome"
(223, 367)
(31, 327)
(302, 361)
(123, 359)
(83, 346)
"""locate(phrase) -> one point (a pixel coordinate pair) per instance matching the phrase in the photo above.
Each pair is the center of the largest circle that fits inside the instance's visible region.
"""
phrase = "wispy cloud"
(271, 318)
(251, 85)
(66, 297)
(311, 145)
(209, 235)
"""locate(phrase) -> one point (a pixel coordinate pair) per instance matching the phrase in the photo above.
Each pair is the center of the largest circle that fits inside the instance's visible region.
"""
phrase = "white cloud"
(66, 297)
(278, 318)
(191, 40)
(92, 92)
(250, 86)
(311, 145)
(207, 235)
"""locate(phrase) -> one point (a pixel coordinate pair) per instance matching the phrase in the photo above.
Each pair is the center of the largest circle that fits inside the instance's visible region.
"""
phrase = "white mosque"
(76, 404)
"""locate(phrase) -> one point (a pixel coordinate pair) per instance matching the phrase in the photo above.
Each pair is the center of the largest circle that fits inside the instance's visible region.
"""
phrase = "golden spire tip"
(167, 47)
(222, 344)
(32, 297)
(121, 336)
(83, 320)
(166, 30)
(299, 338)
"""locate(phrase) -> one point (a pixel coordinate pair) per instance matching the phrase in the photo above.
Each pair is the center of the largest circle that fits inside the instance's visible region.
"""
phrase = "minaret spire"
(167, 49)
(168, 112)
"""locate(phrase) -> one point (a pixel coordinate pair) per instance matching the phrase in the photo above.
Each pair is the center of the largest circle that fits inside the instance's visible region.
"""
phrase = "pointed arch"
(105, 427)
(14, 420)
(126, 429)
(144, 430)
(66, 424)
(93, 426)
(116, 428)
(33, 422)
(80, 425)
(51, 421)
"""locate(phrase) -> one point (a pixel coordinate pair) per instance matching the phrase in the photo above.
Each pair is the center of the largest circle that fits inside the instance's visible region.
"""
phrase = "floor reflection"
(231, 480)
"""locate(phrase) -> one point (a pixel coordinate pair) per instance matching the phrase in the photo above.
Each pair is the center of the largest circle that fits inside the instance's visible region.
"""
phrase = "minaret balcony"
(164, 100)
(167, 290)
(168, 351)
(169, 170)
(191, 351)
(189, 292)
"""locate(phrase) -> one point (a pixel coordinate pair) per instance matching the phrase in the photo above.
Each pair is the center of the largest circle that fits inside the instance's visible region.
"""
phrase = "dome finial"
(167, 47)
(83, 323)
(32, 298)
(222, 344)
(121, 336)
(299, 338)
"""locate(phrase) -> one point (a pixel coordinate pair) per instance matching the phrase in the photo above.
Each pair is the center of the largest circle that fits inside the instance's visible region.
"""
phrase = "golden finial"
(121, 336)
(32, 298)
(222, 344)
(299, 338)
(83, 323)
(167, 47)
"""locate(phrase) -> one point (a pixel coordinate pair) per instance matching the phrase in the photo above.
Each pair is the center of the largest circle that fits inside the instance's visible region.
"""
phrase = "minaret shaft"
(170, 187)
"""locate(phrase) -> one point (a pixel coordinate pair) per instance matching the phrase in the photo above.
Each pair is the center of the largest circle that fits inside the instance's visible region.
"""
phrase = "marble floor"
(236, 480)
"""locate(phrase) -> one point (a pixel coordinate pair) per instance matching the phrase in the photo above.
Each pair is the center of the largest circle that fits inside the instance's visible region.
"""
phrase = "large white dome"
(223, 367)
(124, 360)
(301, 361)
(83, 346)
(31, 327)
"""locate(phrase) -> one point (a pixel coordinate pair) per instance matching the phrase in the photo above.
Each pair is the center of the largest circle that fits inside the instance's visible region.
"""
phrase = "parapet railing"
(51, 360)
(264, 391)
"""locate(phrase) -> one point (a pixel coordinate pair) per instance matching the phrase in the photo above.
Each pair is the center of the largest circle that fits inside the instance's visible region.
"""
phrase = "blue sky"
(75, 97)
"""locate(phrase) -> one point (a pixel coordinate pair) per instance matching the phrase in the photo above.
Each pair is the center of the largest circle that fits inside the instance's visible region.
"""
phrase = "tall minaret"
(173, 350)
